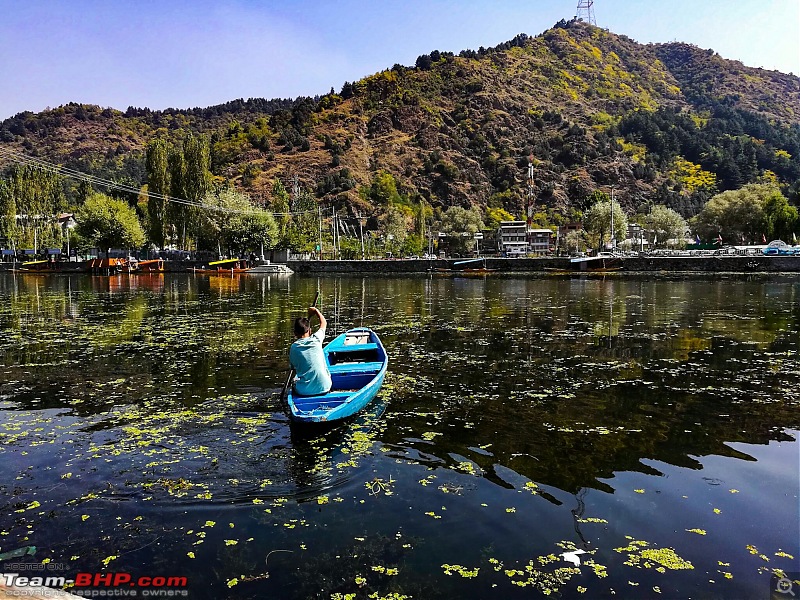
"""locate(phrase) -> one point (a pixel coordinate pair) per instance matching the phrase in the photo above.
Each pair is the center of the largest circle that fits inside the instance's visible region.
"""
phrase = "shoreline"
(502, 266)
(561, 266)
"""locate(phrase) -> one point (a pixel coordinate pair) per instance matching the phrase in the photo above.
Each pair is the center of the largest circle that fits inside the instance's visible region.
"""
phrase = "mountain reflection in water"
(650, 422)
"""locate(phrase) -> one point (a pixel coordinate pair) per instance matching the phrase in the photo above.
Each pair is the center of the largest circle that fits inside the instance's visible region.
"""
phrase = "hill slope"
(663, 123)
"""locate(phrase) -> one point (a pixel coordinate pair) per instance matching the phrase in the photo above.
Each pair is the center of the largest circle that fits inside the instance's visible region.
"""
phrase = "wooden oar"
(292, 371)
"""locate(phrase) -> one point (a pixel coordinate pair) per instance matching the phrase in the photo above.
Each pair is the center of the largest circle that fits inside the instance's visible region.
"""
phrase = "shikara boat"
(226, 266)
(357, 361)
(108, 266)
(35, 266)
(155, 265)
(459, 268)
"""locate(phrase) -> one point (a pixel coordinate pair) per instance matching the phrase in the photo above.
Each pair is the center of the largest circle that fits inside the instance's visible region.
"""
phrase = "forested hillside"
(664, 124)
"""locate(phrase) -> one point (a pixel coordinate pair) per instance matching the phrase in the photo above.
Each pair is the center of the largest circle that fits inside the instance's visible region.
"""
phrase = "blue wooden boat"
(357, 362)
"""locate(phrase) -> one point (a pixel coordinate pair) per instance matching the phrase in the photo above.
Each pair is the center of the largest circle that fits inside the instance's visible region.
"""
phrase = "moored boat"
(357, 362)
(35, 266)
(108, 266)
(155, 265)
(226, 266)
(270, 269)
(459, 268)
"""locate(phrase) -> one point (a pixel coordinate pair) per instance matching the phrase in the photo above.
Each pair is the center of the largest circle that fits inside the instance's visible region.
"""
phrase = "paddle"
(292, 371)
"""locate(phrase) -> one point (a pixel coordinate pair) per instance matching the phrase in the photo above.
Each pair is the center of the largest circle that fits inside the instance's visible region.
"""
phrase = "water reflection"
(548, 394)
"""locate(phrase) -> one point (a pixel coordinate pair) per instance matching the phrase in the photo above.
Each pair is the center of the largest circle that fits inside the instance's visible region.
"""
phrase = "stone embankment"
(632, 264)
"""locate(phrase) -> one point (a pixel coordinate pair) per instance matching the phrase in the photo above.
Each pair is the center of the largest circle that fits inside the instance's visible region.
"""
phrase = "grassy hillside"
(666, 124)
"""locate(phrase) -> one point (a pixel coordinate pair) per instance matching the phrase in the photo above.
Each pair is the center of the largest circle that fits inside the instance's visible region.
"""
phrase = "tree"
(254, 230)
(197, 181)
(105, 223)
(197, 176)
(422, 215)
(303, 229)
(413, 245)
(35, 196)
(738, 215)
(495, 215)
(395, 223)
(280, 205)
(176, 213)
(214, 222)
(461, 225)
(575, 242)
(158, 184)
(597, 223)
(383, 190)
(8, 214)
(780, 219)
(666, 224)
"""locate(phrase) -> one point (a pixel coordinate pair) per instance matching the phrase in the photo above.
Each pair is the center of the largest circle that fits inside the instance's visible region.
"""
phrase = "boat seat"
(354, 367)
(354, 348)
(326, 401)
(356, 338)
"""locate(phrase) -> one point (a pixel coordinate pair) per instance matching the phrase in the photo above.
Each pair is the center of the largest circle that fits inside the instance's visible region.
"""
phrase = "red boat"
(155, 265)
(227, 266)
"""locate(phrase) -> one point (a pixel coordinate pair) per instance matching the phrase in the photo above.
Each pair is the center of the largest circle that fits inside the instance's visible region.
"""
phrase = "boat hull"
(357, 371)
(227, 272)
(272, 269)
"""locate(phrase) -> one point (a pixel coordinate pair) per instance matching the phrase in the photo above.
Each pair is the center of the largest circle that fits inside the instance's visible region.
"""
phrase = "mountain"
(663, 123)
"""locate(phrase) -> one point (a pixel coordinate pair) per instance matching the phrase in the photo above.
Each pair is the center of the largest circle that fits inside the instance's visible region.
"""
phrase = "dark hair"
(301, 326)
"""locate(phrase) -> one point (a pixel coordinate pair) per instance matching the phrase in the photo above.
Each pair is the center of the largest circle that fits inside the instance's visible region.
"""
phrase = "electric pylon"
(586, 11)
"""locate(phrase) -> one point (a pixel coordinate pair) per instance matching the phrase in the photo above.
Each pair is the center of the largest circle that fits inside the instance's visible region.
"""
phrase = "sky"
(197, 53)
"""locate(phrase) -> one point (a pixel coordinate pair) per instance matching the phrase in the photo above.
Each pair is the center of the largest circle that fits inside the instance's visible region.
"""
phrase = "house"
(512, 238)
(487, 244)
(539, 240)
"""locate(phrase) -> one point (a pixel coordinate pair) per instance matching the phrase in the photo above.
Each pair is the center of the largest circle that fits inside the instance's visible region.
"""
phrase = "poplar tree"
(176, 213)
(37, 196)
(8, 214)
(158, 182)
(280, 204)
(195, 182)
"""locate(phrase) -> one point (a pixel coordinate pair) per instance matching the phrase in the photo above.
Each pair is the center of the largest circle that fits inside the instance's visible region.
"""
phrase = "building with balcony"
(539, 241)
(512, 238)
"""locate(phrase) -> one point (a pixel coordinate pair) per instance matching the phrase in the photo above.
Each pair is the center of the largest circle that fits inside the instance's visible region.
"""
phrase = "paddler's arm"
(323, 324)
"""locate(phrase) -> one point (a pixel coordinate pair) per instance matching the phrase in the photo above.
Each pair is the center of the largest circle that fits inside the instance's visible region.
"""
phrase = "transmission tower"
(586, 12)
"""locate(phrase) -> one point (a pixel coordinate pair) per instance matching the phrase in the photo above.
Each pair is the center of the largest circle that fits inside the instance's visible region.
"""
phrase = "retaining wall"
(644, 264)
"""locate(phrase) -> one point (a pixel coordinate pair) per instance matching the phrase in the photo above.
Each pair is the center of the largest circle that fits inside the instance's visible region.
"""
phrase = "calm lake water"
(652, 423)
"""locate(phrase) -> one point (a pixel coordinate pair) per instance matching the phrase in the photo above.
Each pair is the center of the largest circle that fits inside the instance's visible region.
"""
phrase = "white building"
(512, 238)
(539, 240)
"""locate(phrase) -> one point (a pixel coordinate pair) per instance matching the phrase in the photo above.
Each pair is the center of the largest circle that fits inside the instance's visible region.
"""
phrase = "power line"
(23, 159)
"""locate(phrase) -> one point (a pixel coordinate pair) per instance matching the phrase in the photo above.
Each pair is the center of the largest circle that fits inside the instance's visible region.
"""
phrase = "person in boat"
(307, 358)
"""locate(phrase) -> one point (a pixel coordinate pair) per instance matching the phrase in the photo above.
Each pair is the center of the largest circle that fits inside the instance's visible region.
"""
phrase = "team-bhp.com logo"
(96, 585)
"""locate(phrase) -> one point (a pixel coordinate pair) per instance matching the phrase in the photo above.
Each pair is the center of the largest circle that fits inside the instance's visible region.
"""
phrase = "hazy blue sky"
(198, 52)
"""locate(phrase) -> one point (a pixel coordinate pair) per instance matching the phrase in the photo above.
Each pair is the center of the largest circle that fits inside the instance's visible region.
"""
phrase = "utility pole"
(339, 236)
(361, 234)
(612, 218)
(530, 201)
(319, 249)
(335, 233)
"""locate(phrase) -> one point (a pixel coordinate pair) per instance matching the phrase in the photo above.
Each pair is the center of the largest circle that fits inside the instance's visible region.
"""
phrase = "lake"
(576, 437)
